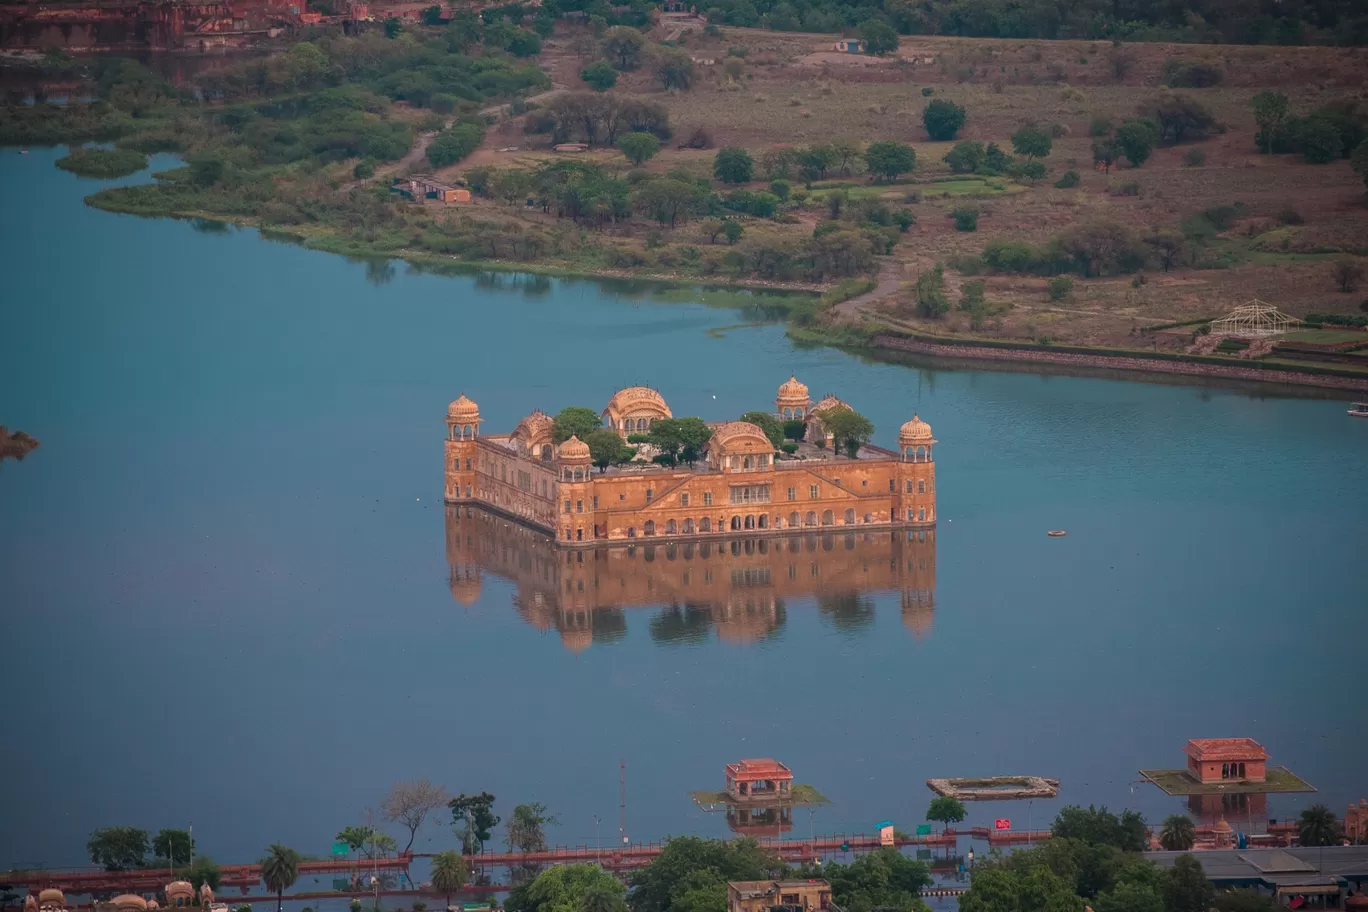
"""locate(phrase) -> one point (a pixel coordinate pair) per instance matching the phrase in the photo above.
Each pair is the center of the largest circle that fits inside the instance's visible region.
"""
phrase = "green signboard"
(341, 848)
(924, 829)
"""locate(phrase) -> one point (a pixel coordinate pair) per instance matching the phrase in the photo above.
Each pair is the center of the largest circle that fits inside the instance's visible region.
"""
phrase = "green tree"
(562, 888)
(603, 898)
(1321, 141)
(118, 848)
(472, 816)
(794, 429)
(942, 119)
(674, 68)
(1245, 900)
(1033, 141)
(966, 218)
(175, 847)
(1135, 139)
(1177, 833)
(1105, 152)
(879, 37)
(1318, 826)
(733, 165)
(455, 144)
(355, 837)
(409, 803)
(1186, 888)
(625, 47)
(1179, 117)
(604, 445)
(1129, 897)
(1359, 160)
(393, 27)
(887, 159)
(527, 826)
(682, 860)
(1270, 113)
(944, 809)
(600, 75)
(815, 161)
(203, 871)
(1004, 889)
(772, 426)
(523, 43)
(884, 879)
(571, 421)
(668, 200)
(463, 30)
(966, 157)
(450, 870)
(1101, 827)
(931, 301)
(279, 871)
(849, 428)
(639, 147)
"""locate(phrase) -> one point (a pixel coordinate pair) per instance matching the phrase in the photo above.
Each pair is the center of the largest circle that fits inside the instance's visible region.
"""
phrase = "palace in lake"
(742, 483)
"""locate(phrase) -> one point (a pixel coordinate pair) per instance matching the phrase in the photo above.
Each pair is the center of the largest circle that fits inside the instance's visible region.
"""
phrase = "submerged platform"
(1181, 782)
(995, 788)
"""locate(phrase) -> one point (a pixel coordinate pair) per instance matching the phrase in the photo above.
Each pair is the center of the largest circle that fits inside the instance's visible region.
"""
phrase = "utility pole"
(622, 800)
(598, 842)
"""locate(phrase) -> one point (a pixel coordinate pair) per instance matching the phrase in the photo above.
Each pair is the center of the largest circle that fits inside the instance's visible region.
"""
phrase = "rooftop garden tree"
(573, 421)
(849, 429)
(887, 160)
(772, 426)
(604, 446)
(942, 119)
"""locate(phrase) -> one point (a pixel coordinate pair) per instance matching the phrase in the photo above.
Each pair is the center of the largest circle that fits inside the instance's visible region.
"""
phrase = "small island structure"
(752, 785)
(742, 479)
(995, 788)
(1226, 766)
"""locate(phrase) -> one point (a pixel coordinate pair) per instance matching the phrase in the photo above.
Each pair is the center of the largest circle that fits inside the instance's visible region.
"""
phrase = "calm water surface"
(227, 573)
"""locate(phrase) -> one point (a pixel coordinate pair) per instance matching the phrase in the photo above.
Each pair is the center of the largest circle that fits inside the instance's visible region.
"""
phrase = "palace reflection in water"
(735, 586)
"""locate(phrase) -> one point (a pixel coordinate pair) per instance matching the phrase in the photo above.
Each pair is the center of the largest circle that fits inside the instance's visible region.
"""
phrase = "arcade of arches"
(743, 483)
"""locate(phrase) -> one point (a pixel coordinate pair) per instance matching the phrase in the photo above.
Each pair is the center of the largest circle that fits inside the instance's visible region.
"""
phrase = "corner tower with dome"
(744, 482)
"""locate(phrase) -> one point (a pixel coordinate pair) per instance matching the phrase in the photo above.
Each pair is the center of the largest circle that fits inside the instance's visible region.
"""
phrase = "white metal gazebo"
(1256, 320)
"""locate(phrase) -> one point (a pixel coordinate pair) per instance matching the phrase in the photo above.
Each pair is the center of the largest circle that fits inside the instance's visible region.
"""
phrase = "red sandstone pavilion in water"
(742, 483)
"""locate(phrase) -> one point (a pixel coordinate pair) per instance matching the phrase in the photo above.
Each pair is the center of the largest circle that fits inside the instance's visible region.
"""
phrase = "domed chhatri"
(180, 893)
(698, 479)
(574, 450)
(633, 410)
(792, 401)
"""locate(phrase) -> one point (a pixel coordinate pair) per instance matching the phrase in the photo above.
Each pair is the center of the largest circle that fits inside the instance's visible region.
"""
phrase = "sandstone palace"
(742, 482)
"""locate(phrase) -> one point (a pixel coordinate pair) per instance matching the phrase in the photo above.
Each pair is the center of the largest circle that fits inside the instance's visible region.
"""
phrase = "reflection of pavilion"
(733, 586)
(775, 820)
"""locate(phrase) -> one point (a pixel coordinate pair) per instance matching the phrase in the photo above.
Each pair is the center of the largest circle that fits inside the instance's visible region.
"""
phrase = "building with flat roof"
(788, 895)
(1218, 759)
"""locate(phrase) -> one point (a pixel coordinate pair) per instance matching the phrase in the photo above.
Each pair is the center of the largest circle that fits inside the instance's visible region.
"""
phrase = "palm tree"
(280, 869)
(449, 873)
(1178, 834)
(599, 898)
(1318, 826)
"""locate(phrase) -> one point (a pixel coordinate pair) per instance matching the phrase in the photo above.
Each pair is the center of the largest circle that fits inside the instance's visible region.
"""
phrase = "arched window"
(579, 474)
(921, 515)
(650, 527)
(642, 424)
(750, 522)
(671, 527)
(736, 522)
(811, 518)
(631, 531)
(688, 527)
(764, 521)
(850, 517)
(547, 453)
(921, 485)
(827, 518)
(705, 524)
(747, 463)
(736, 462)
(928, 455)
(569, 476)
(794, 520)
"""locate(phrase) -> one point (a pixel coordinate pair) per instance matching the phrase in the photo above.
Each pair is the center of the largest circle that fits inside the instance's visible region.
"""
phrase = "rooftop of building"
(754, 888)
(759, 766)
(1217, 749)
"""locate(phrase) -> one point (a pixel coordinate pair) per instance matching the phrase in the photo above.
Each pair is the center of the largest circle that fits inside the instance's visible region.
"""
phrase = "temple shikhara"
(742, 483)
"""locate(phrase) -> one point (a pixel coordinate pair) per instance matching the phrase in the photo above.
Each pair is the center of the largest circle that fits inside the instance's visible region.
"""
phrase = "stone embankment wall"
(1117, 362)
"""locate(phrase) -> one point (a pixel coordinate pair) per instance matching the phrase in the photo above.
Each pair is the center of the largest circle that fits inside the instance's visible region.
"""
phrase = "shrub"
(1289, 216)
(904, 219)
(364, 169)
(1190, 74)
(1067, 180)
(789, 447)
(1032, 141)
(600, 75)
(943, 119)
(700, 138)
(1060, 287)
(103, 163)
(1321, 141)
(733, 165)
(1179, 117)
(1136, 139)
(927, 91)
(1129, 188)
(1029, 171)
(966, 218)
(732, 230)
(1100, 126)
(639, 147)
(1224, 216)
(455, 144)
(1194, 158)
(966, 157)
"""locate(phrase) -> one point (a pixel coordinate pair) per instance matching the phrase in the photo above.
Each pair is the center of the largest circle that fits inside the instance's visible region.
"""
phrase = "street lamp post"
(598, 843)
(970, 859)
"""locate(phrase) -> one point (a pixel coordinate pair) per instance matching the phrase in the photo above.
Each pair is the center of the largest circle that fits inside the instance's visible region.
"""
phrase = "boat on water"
(1358, 409)
(1056, 533)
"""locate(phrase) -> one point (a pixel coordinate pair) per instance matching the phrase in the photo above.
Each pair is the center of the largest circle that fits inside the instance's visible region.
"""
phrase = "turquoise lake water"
(226, 595)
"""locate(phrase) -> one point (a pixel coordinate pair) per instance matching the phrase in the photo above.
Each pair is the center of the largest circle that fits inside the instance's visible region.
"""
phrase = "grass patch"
(1324, 336)
(103, 163)
(971, 186)
(1179, 782)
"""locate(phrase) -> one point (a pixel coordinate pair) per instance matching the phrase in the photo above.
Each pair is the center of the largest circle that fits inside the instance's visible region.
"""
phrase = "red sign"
(1002, 823)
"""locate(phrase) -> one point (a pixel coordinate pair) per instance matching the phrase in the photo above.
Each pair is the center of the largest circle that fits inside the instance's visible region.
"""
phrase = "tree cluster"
(594, 117)
(1322, 135)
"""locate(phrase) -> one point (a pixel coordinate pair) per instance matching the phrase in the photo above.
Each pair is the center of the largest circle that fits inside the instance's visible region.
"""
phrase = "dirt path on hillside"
(889, 281)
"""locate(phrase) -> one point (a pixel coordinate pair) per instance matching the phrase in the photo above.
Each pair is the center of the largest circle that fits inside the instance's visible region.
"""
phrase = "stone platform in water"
(1181, 782)
(995, 788)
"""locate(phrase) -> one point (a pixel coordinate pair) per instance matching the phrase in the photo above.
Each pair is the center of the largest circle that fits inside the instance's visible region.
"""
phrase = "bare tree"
(409, 803)
(1347, 273)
